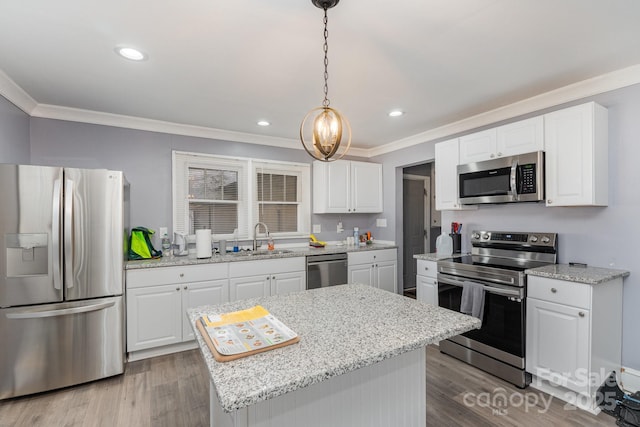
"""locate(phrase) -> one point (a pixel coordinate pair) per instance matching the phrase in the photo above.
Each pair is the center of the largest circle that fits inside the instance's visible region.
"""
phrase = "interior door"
(30, 257)
(416, 210)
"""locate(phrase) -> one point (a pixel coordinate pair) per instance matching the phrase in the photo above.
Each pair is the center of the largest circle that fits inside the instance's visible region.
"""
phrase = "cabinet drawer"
(371, 256)
(559, 291)
(427, 268)
(266, 266)
(140, 278)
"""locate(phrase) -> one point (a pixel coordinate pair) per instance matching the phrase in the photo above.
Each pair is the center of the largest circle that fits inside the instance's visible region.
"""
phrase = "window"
(213, 200)
(279, 197)
(225, 194)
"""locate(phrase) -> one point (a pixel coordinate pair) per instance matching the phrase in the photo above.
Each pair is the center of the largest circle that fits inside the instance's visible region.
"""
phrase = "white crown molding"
(593, 86)
(596, 85)
(15, 94)
(129, 122)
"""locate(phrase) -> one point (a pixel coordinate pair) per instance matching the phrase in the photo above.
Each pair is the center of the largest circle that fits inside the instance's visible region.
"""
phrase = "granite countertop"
(341, 328)
(587, 275)
(170, 261)
(435, 257)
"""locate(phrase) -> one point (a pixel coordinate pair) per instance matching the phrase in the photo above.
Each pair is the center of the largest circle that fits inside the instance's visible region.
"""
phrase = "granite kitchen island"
(360, 361)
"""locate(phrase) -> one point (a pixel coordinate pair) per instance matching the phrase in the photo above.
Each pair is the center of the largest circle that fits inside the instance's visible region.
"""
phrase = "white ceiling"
(227, 64)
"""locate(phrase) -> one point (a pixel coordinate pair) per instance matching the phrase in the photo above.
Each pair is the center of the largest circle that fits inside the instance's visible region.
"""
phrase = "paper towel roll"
(203, 243)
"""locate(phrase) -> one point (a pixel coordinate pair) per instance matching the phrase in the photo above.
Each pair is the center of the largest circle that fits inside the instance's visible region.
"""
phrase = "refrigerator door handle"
(55, 236)
(36, 314)
(68, 233)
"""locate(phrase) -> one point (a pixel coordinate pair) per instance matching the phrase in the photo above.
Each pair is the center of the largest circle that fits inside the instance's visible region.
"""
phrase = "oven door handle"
(490, 289)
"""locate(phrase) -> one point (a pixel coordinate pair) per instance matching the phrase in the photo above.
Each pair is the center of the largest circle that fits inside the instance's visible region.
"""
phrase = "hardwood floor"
(173, 391)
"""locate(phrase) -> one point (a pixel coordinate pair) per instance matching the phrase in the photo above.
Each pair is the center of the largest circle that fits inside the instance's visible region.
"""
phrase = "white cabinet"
(446, 164)
(250, 279)
(201, 293)
(520, 137)
(576, 159)
(427, 281)
(378, 268)
(347, 187)
(573, 337)
(157, 300)
(154, 317)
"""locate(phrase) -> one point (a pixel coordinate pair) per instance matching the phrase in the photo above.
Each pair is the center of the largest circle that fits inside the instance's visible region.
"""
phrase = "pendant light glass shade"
(325, 134)
(322, 137)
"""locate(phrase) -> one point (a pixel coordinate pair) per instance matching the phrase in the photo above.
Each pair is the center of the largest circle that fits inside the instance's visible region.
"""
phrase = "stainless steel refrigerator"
(63, 246)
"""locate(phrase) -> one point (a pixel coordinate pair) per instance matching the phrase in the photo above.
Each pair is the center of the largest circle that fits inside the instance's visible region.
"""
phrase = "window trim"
(302, 172)
(247, 191)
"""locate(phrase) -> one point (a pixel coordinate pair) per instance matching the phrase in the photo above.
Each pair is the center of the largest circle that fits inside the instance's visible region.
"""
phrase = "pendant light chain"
(325, 103)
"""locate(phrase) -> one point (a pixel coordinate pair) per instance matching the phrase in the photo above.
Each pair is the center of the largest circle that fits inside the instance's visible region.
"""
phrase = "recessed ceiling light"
(263, 123)
(131, 53)
(396, 113)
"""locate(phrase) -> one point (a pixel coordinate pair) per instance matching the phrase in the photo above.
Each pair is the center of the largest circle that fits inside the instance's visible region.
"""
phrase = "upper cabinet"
(446, 165)
(520, 137)
(576, 160)
(347, 186)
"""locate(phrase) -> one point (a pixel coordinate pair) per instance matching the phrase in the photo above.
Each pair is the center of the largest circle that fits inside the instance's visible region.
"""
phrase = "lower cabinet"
(574, 337)
(378, 268)
(157, 300)
(427, 281)
(251, 279)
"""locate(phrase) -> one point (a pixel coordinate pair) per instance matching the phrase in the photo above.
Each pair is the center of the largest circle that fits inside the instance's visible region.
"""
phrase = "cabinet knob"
(581, 314)
(499, 154)
(554, 290)
(268, 278)
(181, 274)
(426, 268)
(492, 156)
(177, 289)
(273, 277)
(549, 202)
(185, 288)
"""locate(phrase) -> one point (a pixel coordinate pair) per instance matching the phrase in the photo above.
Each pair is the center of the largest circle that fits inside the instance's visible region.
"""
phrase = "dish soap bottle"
(356, 236)
(235, 240)
(444, 245)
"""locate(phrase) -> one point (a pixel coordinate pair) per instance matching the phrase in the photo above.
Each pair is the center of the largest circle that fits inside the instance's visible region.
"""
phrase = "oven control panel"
(514, 238)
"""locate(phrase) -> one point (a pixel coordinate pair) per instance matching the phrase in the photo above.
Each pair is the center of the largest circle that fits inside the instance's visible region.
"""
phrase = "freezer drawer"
(58, 345)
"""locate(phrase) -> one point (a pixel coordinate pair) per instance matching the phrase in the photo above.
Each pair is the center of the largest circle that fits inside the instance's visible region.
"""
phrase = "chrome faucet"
(255, 233)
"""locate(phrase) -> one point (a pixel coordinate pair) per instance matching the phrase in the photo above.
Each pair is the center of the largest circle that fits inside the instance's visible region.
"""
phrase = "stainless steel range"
(491, 284)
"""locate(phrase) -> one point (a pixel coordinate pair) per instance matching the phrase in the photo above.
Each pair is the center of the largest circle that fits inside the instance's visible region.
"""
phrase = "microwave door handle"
(514, 179)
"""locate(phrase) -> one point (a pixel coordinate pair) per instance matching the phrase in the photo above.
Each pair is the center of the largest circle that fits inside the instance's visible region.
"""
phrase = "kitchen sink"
(260, 252)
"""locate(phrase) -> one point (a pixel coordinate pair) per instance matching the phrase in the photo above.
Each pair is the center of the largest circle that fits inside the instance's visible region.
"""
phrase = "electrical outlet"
(381, 222)
(163, 231)
(339, 228)
(317, 228)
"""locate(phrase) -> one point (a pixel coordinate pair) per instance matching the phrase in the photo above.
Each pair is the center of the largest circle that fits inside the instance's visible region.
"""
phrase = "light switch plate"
(381, 222)
(317, 228)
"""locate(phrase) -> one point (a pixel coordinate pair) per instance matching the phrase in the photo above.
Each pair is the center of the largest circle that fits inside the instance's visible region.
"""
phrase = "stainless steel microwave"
(504, 180)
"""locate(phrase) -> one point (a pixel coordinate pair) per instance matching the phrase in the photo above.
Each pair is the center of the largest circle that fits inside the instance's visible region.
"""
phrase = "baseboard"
(161, 351)
(630, 380)
(572, 398)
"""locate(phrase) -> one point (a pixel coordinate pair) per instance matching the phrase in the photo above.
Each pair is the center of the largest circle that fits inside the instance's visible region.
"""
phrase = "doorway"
(421, 222)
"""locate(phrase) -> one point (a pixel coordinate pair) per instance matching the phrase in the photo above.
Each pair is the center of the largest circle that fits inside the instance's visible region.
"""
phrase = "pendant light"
(322, 137)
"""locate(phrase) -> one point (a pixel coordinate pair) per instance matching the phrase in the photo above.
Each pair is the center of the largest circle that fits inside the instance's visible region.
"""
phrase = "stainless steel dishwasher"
(326, 270)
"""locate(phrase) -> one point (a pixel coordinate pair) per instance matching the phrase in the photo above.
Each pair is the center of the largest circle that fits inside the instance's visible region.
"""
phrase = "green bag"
(140, 246)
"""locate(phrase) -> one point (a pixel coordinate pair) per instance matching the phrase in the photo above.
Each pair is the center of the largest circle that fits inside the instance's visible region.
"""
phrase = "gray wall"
(14, 133)
(145, 158)
(600, 236)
